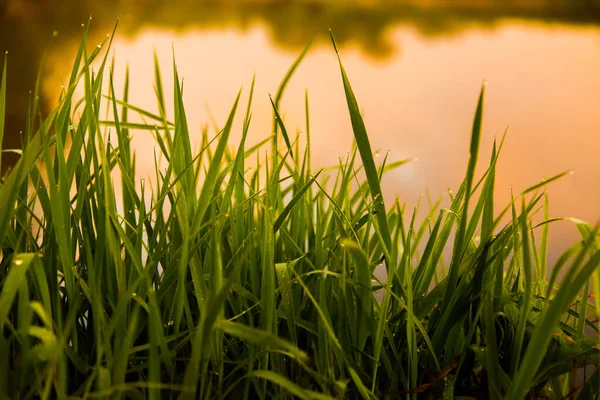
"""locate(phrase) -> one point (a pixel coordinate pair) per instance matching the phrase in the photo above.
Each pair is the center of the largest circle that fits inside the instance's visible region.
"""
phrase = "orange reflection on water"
(544, 81)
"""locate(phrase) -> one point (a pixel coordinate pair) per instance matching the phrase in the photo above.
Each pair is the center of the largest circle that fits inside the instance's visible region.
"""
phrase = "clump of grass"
(222, 281)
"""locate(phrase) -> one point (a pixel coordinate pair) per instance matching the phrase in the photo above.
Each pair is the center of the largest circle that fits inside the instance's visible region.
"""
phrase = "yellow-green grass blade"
(575, 279)
(289, 386)
(281, 126)
(366, 154)
(262, 338)
(457, 253)
(288, 75)
(290, 206)
(364, 298)
(544, 182)
(526, 298)
(281, 90)
(208, 187)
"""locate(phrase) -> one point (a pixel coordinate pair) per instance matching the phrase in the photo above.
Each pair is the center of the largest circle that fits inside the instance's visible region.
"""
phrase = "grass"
(238, 276)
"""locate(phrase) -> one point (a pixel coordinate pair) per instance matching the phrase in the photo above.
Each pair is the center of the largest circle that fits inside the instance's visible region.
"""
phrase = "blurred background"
(416, 67)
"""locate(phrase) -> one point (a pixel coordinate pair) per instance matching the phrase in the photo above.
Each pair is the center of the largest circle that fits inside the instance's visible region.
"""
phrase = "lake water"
(416, 78)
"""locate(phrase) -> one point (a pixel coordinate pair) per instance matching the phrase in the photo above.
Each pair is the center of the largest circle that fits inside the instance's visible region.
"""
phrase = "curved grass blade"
(457, 253)
(279, 123)
(286, 211)
(289, 386)
(366, 154)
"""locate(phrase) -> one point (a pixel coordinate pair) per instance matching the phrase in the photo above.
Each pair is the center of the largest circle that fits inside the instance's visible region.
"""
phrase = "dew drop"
(18, 261)
(170, 323)
(82, 25)
(376, 154)
(571, 172)
(55, 33)
(99, 46)
(484, 83)
(134, 294)
(416, 159)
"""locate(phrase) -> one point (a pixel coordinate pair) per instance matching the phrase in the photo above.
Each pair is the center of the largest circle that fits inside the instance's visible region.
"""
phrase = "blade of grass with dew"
(457, 253)
(208, 185)
(364, 148)
(290, 206)
(281, 90)
(281, 126)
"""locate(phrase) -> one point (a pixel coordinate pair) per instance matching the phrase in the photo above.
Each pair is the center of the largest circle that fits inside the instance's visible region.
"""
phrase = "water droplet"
(377, 154)
(134, 294)
(170, 323)
(99, 46)
(484, 83)
(6, 52)
(416, 159)
(571, 172)
(82, 25)
(55, 33)
(18, 261)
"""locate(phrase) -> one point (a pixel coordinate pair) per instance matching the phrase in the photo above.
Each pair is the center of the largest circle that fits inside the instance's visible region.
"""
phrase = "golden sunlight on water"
(543, 81)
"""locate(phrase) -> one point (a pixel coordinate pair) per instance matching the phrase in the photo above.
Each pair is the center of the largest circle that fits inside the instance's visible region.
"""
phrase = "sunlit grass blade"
(281, 126)
(459, 243)
(297, 197)
(290, 386)
(543, 332)
(366, 154)
(208, 186)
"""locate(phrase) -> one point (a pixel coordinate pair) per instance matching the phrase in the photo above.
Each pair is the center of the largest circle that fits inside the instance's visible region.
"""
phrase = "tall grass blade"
(366, 154)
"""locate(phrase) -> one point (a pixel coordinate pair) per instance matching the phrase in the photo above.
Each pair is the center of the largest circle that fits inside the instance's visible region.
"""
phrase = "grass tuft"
(232, 276)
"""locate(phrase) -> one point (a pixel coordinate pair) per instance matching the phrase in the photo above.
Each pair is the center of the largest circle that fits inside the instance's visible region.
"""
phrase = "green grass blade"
(366, 154)
(461, 238)
(281, 126)
(290, 206)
